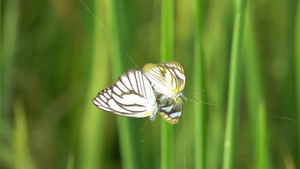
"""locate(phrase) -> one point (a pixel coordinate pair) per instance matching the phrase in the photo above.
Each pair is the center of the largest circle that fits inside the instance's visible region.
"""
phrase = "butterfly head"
(176, 95)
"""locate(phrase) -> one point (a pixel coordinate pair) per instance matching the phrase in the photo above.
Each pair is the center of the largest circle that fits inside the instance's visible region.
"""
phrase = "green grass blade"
(167, 145)
(94, 124)
(199, 83)
(10, 35)
(255, 97)
(0, 62)
(262, 154)
(167, 31)
(22, 155)
(71, 161)
(216, 48)
(167, 48)
(297, 67)
(127, 146)
(234, 85)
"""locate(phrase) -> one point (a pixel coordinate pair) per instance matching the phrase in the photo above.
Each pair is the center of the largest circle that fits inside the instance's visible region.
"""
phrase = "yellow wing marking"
(147, 113)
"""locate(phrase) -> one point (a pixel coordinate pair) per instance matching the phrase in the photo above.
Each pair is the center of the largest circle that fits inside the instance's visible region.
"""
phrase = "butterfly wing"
(172, 111)
(131, 96)
(178, 72)
(167, 78)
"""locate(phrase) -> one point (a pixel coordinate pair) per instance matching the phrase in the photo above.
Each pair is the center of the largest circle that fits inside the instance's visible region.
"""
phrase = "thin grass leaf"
(167, 48)
(234, 85)
(128, 149)
(8, 50)
(297, 67)
(167, 31)
(199, 83)
(71, 161)
(94, 123)
(0, 63)
(22, 154)
(255, 96)
(262, 153)
(216, 48)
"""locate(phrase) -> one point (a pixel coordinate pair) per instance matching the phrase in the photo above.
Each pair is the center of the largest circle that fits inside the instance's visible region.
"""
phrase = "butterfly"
(157, 88)
(168, 82)
(131, 96)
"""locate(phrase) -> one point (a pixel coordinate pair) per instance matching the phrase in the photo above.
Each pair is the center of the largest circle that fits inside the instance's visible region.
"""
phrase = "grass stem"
(93, 121)
(234, 85)
(22, 155)
(127, 147)
(255, 97)
(167, 48)
(262, 154)
(199, 83)
(8, 51)
(297, 66)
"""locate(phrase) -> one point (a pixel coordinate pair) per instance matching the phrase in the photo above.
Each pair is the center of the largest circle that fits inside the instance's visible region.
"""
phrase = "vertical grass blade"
(262, 155)
(167, 48)
(297, 67)
(128, 149)
(167, 31)
(215, 43)
(0, 62)
(93, 122)
(71, 160)
(167, 145)
(234, 85)
(255, 96)
(8, 49)
(199, 83)
(22, 155)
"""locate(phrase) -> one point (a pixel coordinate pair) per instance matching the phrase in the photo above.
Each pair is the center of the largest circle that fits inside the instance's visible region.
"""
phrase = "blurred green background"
(55, 57)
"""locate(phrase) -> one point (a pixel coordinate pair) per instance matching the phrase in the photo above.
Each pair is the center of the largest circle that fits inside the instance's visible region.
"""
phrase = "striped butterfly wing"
(131, 96)
(171, 111)
(167, 78)
(178, 72)
(168, 82)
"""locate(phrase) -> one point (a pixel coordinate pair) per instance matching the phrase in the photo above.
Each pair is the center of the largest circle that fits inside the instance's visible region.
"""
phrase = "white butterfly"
(131, 96)
(168, 82)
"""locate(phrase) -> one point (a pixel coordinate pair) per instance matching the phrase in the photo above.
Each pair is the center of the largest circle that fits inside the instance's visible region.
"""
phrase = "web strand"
(243, 110)
(145, 126)
(109, 34)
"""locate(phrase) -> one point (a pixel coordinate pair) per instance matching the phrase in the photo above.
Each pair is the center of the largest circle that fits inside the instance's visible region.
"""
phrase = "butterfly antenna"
(109, 34)
(194, 99)
(185, 99)
(193, 90)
